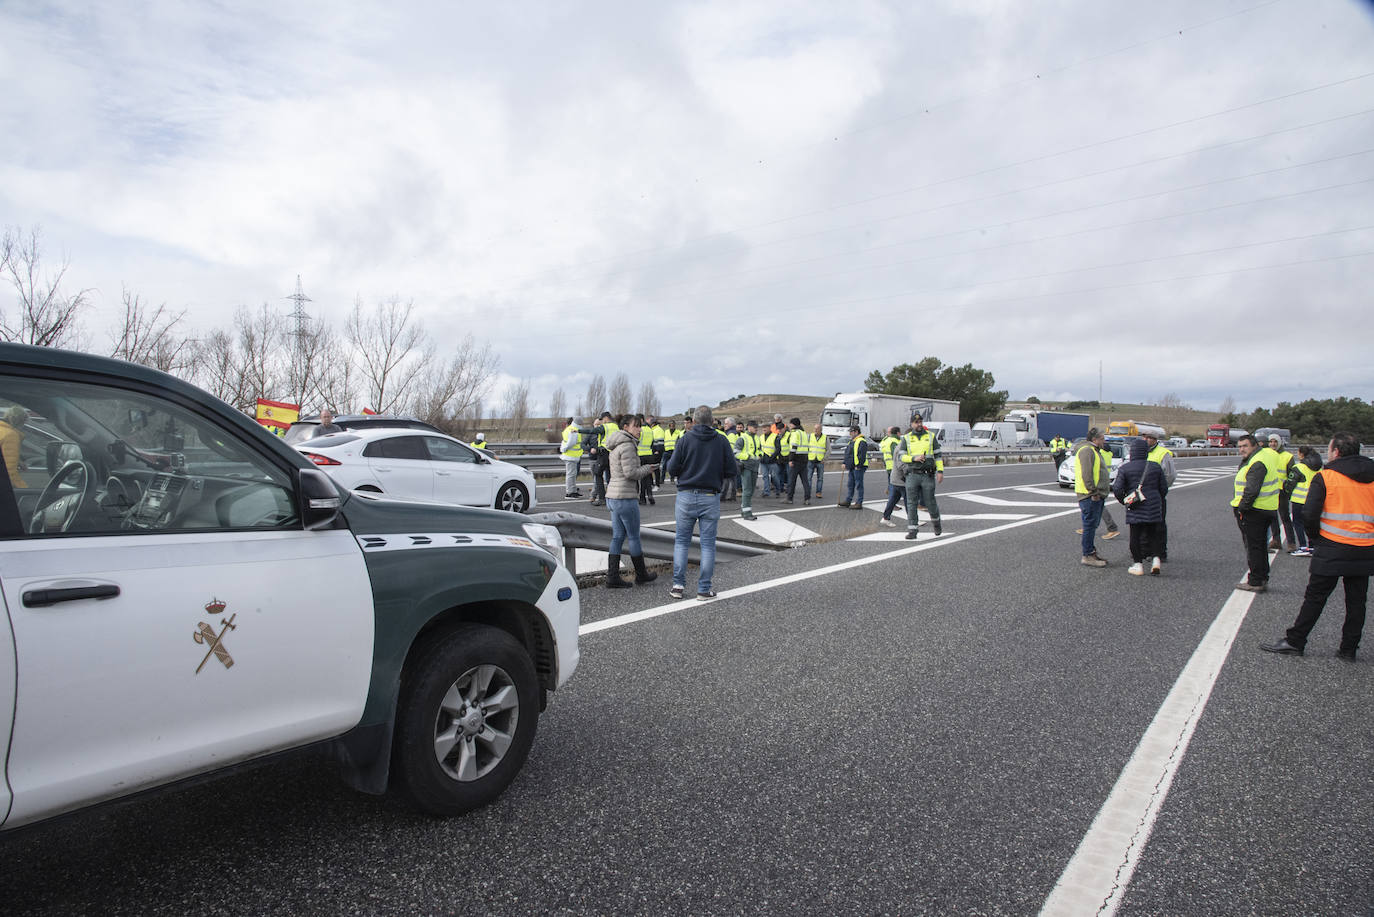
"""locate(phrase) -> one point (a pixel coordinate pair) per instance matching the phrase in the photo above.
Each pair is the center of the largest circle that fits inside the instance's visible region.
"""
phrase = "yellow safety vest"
(854, 451)
(1058, 443)
(888, 443)
(571, 435)
(646, 441)
(1273, 481)
(770, 440)
(733, 437)
(1157, 454)
(479, 444)
(1301, 488)
(608, 429)
(749, 446)
(913, 447)
(1100, 471)
(817, 445)
(789, 439)
(670, 438)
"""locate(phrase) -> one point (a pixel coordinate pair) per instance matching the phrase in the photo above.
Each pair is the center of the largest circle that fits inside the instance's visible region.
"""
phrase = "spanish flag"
(277, 416)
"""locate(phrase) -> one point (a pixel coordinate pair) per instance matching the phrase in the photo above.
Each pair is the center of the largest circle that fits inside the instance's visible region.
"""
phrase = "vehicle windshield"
(300, 431)
(837, 417)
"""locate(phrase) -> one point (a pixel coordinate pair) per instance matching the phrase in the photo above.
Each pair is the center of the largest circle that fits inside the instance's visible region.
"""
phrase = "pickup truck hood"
(376, 514)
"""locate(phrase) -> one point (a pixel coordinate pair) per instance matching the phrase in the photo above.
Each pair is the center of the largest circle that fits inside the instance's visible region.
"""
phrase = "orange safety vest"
(1348, 511)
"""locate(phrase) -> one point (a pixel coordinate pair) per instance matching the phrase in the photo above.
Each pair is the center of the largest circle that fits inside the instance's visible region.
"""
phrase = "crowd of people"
(717, 461)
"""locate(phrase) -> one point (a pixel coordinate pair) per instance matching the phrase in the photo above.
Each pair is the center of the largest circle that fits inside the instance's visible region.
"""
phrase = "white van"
(952, 434)
(993, 435)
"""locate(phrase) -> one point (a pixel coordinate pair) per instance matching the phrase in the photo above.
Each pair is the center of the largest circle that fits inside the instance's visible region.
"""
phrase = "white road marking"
(778, 530)
(933, 543)
(998, 501)
(1097, 876)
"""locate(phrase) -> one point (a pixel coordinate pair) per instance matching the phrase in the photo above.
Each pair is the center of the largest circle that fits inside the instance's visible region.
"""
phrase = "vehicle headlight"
(547, 537)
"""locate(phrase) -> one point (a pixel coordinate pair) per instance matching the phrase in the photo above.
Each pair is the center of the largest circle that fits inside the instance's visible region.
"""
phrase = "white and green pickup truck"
(183, 593)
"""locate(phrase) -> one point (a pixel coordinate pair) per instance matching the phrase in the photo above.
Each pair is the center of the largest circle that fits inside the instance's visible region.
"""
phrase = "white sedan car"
(1067, 471)
(419, 465)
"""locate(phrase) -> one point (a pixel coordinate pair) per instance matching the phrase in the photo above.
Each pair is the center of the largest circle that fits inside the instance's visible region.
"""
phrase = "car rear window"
(332, 439)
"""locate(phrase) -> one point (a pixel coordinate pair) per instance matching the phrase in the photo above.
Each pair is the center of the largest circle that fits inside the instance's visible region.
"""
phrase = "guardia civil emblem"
(206, 636)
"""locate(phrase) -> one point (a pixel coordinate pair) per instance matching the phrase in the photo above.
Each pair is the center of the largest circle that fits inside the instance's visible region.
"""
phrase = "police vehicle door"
(170, 614)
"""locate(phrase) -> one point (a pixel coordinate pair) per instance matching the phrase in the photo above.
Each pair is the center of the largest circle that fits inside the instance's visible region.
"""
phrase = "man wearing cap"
(1339, 513)
(919, 452)
(1161, 456)
(796, 445)
(856, 463)
(1256, 501)
(747, 456)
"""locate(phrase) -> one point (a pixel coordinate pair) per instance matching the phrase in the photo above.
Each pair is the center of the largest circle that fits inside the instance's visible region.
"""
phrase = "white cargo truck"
(874, 413)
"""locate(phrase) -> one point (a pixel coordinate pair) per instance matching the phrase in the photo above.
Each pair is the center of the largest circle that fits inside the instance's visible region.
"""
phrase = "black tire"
(437, 691)
(513, 497)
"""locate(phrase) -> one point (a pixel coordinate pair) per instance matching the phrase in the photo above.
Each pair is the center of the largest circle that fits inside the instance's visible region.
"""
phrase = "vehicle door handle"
(42, 598)
(444, 473)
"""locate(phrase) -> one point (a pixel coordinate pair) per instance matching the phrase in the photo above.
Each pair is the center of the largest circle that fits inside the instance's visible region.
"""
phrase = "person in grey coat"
(622, 498)
(1140, 486)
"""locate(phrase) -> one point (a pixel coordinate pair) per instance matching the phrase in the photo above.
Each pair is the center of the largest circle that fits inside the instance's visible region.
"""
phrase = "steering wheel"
(68, 506)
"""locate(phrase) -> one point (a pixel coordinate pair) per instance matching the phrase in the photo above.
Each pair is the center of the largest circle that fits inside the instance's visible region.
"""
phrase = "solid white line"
(1097, 876)
(690, 602)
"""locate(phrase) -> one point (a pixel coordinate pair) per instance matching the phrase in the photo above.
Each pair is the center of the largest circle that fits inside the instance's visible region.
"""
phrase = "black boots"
(642, 574)
(613, 580)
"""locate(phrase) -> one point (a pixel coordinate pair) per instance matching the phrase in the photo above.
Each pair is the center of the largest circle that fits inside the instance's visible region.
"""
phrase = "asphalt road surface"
(975, 724)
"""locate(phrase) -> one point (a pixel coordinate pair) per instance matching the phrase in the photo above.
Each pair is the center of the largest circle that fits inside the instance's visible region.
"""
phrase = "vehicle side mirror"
(319, 500)
(59, 454)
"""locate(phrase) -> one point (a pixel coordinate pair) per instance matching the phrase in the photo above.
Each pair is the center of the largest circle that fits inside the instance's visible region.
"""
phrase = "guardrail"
(595, 534)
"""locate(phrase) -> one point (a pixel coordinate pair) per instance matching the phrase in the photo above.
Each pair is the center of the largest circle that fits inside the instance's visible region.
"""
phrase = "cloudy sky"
(726, 197)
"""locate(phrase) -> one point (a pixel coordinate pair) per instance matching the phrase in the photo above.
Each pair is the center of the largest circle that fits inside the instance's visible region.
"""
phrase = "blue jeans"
(625, 526)
(1091, 511)
(772, 478)
(816, 470)
(695, 506)
(854, 490)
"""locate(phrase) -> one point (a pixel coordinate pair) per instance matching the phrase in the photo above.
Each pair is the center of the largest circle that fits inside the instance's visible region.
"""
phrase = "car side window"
(95, 459)
(446, 450)
(398, 447)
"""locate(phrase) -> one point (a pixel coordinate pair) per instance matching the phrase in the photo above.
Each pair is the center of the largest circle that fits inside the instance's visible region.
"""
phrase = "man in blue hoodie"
(700, 463)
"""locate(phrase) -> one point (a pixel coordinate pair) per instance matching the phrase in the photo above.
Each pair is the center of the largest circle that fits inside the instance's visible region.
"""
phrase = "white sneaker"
(1155, 566)
(1136, 569)
(887, 522)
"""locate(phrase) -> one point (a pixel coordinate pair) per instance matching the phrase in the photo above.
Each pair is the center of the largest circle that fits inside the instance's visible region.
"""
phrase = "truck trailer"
(874, 413)
(1036, 428)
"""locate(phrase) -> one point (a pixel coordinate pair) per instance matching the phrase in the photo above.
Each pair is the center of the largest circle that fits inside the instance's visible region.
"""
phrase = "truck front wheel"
(468, 710)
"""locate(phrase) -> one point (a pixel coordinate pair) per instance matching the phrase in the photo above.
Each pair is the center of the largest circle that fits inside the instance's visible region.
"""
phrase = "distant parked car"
(420, 465)
(1068, 473)
(305, 429)
(1198, 444)
(1177, 442)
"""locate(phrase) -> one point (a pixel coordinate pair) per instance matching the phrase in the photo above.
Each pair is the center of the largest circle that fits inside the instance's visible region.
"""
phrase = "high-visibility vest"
(1157, 454)
(1301, 488)
(1348, 513)
(770, 443)
(913, 447)
(1273, 481)
(733, 438)
(1100, 471)
(608, 429)
(817, 445)
(658, 432)
(646, 441)
(748, 447)
(670, 438)
(572, 442)
(888, 443)
(479, 444)
(854, 451)
(1058, 443)
(1285, 460)
(789, 440)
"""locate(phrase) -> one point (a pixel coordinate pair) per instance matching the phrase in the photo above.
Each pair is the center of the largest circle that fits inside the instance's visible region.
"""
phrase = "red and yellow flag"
(277, 416)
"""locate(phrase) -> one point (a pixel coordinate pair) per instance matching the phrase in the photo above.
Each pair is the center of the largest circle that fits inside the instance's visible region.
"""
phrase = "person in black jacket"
(701, 462)
(1343, 547)
(1140, 486)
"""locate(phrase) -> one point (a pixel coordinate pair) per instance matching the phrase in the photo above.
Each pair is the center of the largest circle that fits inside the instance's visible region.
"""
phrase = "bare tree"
(335, 383)
(517, 407)
(1172, 400)
(152, 337)
(580, 411)
(1228, 405)
(241, 367)
(558, 404)
(620, 395)
(648, 400)
(47, 316)
(391, 351)
(449, 389)
(596, 394)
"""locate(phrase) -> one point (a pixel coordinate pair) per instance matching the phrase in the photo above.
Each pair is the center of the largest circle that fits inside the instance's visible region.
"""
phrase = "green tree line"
(1313, 420)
